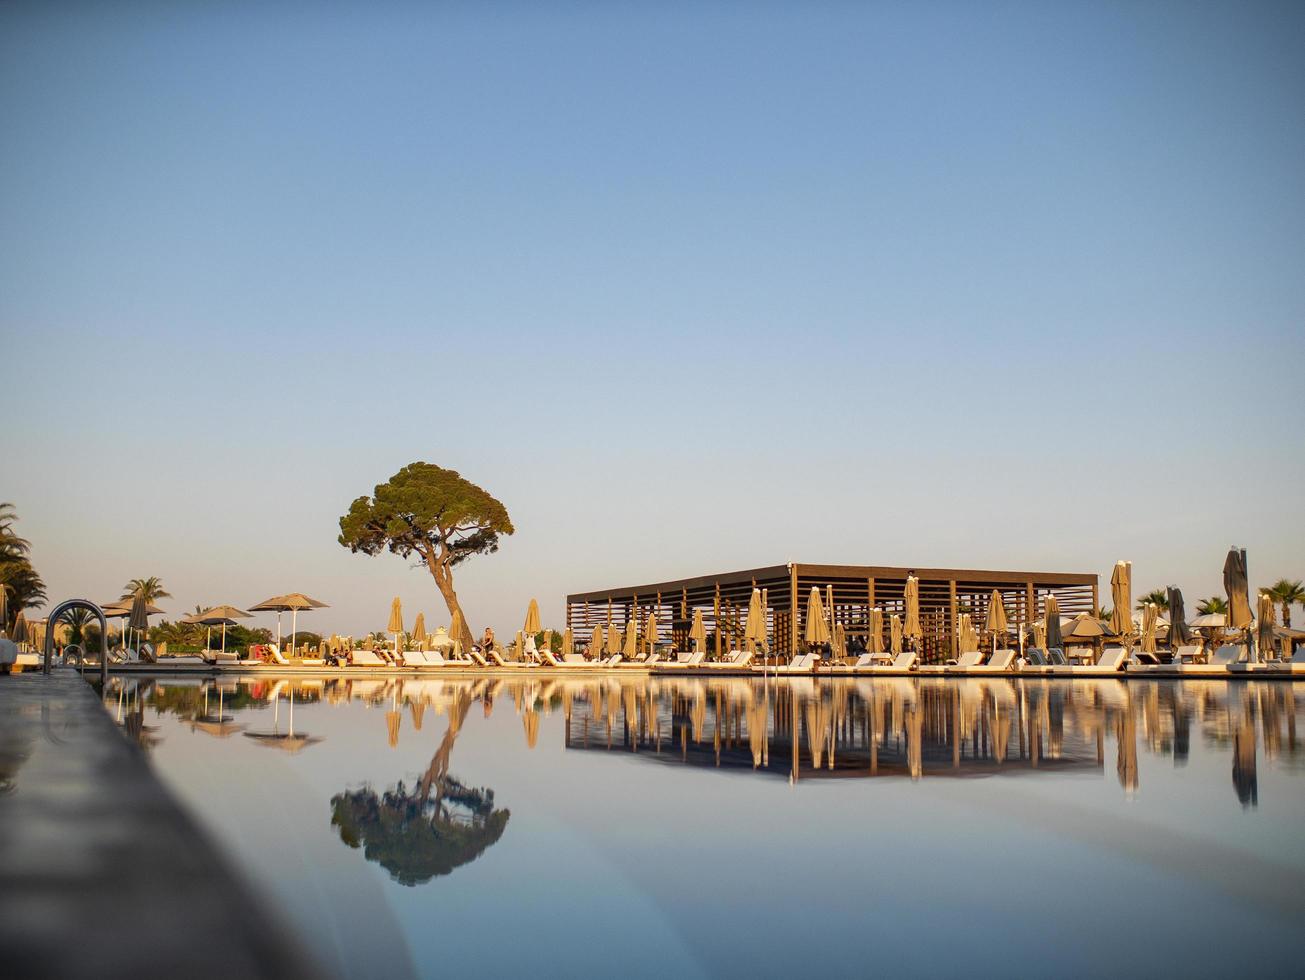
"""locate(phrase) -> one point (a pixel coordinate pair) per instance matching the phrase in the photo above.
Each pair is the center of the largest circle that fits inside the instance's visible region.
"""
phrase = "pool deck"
(102, 874)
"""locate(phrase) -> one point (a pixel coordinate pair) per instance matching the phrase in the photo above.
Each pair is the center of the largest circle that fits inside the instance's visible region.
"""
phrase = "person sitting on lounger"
(487, 641)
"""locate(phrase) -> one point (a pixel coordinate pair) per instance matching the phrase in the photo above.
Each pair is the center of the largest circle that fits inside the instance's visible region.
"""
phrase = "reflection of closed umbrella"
(1234, 584)
(911, 628)
(531, 719)
(895, 634)
(698, 631)
(817, 630)
(532, 618)
(1121, 594)
(876, 630)
(1051, 619)
(1179, 634)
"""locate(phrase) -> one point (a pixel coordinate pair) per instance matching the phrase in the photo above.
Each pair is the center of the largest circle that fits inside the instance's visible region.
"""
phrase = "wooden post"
(716, 618)
(1030, 606)
(956, 619)
(792, 610)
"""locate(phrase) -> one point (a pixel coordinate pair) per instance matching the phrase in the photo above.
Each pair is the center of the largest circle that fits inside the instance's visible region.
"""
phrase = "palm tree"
(1214, 605)
(77, 620)
(12, 547)
(1285, 592)
(1157, 597)
(149, 588)
(23, 588)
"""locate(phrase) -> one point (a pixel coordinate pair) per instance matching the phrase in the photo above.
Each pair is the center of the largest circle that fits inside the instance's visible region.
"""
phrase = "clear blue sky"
(689, 287)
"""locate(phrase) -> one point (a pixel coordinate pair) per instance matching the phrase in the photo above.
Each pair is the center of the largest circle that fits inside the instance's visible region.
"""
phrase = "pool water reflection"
(721, 826)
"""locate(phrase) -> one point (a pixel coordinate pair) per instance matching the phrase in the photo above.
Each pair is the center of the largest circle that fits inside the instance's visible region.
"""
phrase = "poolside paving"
(102, 874)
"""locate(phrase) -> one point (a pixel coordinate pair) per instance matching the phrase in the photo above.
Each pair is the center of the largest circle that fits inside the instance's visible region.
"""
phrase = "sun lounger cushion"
(1226, 655)
(1002, 660)
(1112, 658)
(1057, 657)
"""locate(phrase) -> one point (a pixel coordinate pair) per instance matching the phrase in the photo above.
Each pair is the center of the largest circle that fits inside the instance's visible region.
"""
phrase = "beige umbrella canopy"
(1040, 634)
(1084, 626)
(967, 639)
(1051, 622)
(1121, 595)
(895, 634)
(596, 644)
(615, 642)
(419, 631)
(755, 632)
(291, 602)
(650, 633)
(532, 618)
(1266, 615)
(996, 622)
(817, 629)
(1234, 584)
(698, 631)
(223, 616)
(1150, 615)
(911, 628)
(457, 627)
(568, 642)
(20, 628)
(1179, 634)
(631, 648)
(876, 630)
(395, 625)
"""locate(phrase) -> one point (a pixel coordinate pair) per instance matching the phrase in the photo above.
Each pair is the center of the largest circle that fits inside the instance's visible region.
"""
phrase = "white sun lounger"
(803, 663)
(366, 658)
(1000, 662)
(1113, 660)
(874, 663)
(551, 661)
(968, 659)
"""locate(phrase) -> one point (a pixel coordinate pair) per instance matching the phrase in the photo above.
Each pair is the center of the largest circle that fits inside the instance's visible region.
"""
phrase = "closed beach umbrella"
(20, 628)
(996, 622)
(596, 644)
(840, 641)
(568, 642)
(615, 642)
(631, 650)
(1234, 584)
(1150, 614)
(532, 618)
(419, 631)
(911, 628)
(457, 627)
(755, 631)
(395, 625)
(895, 634)
(650, 633)
(138, 619)
(1040, 634)
(1266, 615)
(698, 631)
(1121, 594)
(876, 630)
(1179, 633)
(1051, 617)
(817, 630)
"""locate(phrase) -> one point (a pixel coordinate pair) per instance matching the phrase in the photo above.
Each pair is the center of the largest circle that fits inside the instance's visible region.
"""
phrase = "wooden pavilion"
(945, 593)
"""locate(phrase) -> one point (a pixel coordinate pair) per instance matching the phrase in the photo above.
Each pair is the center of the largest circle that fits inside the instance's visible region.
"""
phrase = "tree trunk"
(1286, 615)
(444, 582)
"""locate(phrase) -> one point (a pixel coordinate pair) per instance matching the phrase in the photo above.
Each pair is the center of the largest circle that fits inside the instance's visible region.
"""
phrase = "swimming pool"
(728, 826)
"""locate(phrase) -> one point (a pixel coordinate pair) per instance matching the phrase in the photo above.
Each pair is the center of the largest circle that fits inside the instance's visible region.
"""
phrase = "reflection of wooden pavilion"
(723, 599)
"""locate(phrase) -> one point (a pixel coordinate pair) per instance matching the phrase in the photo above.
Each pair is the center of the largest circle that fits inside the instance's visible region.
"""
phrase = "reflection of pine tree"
(438, 825)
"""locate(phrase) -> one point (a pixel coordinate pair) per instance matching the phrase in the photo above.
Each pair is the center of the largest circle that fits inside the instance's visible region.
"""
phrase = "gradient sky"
(689, 287)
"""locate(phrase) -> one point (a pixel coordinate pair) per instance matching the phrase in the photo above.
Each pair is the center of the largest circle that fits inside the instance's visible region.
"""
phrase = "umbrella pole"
(294, 630)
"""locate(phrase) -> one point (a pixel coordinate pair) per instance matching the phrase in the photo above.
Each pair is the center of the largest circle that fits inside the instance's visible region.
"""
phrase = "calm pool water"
(424, 827)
